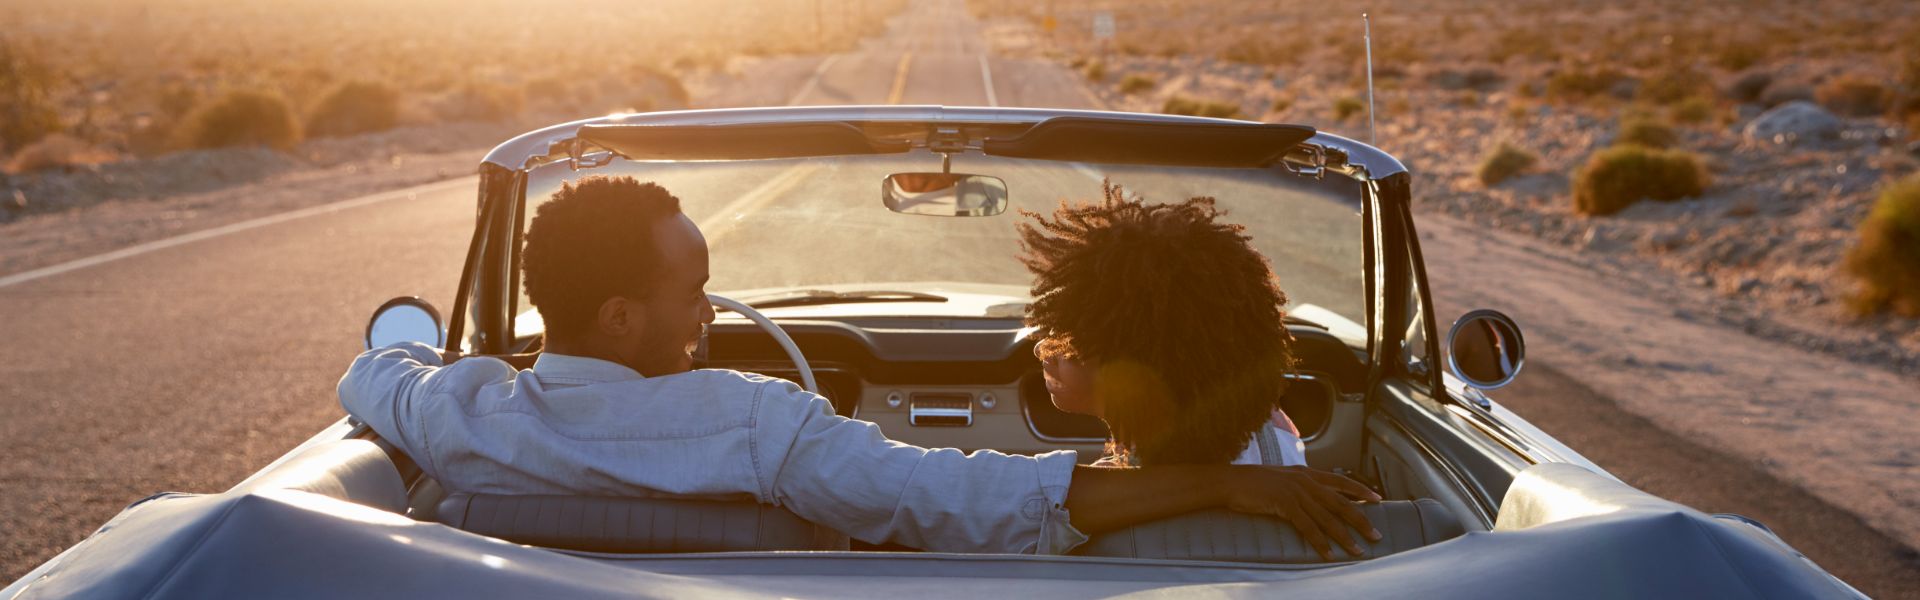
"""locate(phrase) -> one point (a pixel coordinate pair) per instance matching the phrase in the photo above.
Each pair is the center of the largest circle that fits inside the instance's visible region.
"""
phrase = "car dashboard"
(973, 383)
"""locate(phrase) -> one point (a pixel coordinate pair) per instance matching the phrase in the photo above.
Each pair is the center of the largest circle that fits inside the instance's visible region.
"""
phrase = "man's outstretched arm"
(1102, 499)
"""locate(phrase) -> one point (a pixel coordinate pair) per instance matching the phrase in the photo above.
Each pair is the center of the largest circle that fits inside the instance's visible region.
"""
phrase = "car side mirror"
(944, 194)
(405, 319)
(1485, 350)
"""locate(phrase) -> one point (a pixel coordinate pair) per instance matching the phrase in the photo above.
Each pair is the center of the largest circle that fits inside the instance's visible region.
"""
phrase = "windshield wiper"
(809, 297)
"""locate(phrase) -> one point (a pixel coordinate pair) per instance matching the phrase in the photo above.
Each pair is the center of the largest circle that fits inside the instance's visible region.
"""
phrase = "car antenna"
(1366, 39)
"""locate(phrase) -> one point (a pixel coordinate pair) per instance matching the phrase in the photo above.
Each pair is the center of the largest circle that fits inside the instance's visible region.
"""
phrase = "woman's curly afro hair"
(1181, 315)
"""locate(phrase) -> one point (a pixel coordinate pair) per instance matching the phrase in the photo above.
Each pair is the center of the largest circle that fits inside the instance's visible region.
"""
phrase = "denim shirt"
(583, 426)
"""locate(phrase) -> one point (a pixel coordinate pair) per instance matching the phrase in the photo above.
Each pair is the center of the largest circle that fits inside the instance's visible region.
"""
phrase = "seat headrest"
(635, 525)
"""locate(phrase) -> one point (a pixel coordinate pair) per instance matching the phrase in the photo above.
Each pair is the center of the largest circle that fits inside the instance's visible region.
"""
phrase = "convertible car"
(870, 254)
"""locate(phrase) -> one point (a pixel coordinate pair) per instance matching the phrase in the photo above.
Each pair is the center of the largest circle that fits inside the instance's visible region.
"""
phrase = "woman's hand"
(1315, 502)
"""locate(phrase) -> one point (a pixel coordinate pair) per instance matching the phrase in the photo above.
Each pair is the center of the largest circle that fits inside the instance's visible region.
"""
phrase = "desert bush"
(1096, 71)
(26, 98)
(56, 150)
(1781, 94)
(1523, 42)
(1694, 111)
(241, 118)
(1581, 84)
(1853, 95)
(1281, 105)
(1504, 162)
(353, 108)
(482, 102)
(1182, 105)
(666, 89)
(1617, 177)
(1135, 83)
(1749, 87)
(1645, 131)
(1262, 50)
(1347, 106)
(1738, 55)
(1887, 258)
(1669, 86)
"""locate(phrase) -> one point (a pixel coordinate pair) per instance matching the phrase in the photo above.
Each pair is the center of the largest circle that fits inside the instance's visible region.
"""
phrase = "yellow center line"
(900, 79)
(722, 222)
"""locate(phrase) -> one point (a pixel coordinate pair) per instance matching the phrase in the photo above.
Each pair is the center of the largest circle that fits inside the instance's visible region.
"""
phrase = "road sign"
(1102, 25)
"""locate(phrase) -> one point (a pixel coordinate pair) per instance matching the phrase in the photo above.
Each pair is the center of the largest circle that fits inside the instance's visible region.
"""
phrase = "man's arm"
(1102, 499)
(379, 390)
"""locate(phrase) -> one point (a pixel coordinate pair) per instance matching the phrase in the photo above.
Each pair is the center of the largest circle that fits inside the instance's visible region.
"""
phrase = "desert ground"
(1714, 348)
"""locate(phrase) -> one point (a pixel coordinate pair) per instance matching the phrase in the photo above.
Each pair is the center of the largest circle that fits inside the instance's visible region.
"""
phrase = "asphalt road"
(188, 367)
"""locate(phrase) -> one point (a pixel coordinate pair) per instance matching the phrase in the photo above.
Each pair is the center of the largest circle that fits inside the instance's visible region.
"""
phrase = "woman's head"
(1160, 319)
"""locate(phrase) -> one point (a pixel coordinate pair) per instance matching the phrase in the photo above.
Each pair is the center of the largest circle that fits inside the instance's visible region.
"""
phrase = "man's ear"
(619, 317)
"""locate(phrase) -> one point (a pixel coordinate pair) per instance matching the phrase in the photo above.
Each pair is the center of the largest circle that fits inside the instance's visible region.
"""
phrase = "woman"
(1166, 323)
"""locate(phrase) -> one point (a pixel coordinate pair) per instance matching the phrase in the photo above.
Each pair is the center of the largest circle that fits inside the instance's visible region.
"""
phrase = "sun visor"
(1223, 145)
(737, 142)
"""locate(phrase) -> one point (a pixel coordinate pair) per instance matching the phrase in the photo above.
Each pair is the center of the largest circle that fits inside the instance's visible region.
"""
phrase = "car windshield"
(819, 224)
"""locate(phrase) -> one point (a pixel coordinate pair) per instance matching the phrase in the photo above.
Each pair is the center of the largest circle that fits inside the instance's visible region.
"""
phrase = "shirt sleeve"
(381, 389)
(843, 473)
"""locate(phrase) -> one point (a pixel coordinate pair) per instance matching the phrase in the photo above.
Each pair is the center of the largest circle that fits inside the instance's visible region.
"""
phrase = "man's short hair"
(593, 241)
(1182, 314)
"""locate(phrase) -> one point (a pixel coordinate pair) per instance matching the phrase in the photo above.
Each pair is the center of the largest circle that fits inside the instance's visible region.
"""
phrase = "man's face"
(675, 312)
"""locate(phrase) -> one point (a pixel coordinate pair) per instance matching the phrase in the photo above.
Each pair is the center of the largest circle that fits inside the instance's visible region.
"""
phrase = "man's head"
(1160, 319)
(618, 273)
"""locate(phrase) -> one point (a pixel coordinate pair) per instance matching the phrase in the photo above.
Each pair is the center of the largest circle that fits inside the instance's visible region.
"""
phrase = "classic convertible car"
(904, 306)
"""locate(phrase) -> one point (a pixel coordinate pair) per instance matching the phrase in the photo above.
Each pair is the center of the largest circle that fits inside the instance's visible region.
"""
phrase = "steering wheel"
(772, 329)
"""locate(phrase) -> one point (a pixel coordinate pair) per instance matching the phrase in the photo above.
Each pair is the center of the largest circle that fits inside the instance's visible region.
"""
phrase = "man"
(611, 408)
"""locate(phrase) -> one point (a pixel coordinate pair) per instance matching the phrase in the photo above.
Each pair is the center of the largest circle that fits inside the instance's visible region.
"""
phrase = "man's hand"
(1315, 502)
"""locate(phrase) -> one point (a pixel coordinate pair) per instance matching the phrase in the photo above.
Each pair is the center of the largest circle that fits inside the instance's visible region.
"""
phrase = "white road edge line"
(206, 234)
(814, 80)
(986, 77)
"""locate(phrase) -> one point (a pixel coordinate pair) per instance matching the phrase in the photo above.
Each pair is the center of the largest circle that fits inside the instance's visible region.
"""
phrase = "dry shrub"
(1527, 43)
(1646, 131)
(1887, 259)
(1581, 84)
(1617, 177)
(1503, 163)
(666, 89)
(1738, 55)
(1750, 86)
(241, 118)
(353, 108)
(483, 102)
(1281, 105)
(1694, 111)
(1263, 50)
(1853, 95)
(1782, 94)
(1348, 106)
(1135, 83)
(1182, 105)
(1096, 71)
(57, 150)
(1671, 85)
(26, 98)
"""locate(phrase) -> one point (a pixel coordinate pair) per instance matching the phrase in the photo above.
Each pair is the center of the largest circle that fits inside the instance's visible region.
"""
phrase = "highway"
(186, 365)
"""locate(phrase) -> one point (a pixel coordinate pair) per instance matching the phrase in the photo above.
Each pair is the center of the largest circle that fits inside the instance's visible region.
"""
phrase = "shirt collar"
(580, 369)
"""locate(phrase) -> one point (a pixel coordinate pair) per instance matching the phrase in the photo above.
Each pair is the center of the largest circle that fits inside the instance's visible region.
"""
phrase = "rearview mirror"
(1485, 350)
(405, 319)
(944, 194)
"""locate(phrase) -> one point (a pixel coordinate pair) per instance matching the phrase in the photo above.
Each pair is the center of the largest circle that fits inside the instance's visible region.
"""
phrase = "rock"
(1797, 120)
(12, 205)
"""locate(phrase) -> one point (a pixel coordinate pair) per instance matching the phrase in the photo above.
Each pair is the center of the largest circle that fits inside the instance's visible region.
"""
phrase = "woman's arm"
(1102, 499)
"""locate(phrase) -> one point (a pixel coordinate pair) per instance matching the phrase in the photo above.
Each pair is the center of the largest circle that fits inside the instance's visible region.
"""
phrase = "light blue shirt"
(583, 426)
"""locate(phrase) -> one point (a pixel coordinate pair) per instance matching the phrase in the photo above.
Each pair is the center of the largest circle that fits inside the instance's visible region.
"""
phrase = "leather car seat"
(635, 525)
(1224, 535)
